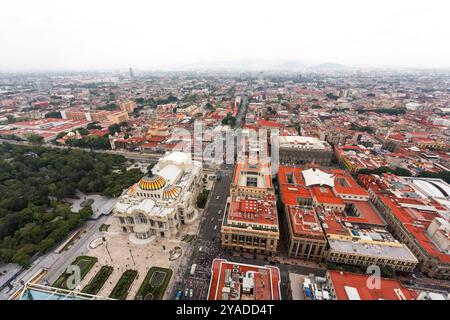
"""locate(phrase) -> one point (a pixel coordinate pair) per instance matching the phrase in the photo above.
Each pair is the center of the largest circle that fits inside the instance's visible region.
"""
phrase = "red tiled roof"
(418, 232)
(261, 211)
(389, 289)
(305, 222)
(266, 123)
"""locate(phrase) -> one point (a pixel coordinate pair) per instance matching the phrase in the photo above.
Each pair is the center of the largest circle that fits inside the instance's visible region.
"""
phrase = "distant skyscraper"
(261, 76)
(131, 73)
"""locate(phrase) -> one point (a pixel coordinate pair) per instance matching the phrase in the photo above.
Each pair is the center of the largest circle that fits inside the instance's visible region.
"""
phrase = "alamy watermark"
(229, 146)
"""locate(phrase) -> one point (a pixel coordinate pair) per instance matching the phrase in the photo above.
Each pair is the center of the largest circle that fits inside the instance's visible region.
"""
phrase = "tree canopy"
(34, 138)
(33, 183)
(402, 172)
(229, 120)
(109, 107)
(90, 141)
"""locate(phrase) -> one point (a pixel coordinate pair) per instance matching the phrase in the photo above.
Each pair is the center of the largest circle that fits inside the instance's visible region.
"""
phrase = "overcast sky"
(103, 34)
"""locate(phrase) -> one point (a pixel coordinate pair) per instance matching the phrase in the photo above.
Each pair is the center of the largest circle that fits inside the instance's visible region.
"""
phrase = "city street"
(206, 245)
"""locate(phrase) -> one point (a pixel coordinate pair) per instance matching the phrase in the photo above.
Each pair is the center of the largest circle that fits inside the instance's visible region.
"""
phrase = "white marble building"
(162, 201)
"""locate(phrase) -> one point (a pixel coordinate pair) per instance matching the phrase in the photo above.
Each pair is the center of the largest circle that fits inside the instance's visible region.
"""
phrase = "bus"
(194, 266)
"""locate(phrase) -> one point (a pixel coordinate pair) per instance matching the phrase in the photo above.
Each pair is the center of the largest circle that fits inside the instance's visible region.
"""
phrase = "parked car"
(178, 295)
(410, 282)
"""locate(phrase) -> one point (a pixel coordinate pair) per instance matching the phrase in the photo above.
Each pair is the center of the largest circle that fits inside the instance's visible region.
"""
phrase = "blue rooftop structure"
(41, 292)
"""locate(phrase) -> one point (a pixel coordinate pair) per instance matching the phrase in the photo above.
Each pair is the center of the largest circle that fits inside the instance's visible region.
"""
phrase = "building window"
(319, 250)
(290, 178)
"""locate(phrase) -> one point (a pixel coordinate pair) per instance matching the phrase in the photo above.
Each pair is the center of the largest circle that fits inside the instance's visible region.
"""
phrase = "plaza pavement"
(122, 254)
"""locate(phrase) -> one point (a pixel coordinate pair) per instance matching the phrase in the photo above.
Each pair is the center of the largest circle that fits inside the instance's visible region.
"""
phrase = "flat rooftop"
(252, 175)
(238, 281)
(294, 185)
(305, 222)
(303, 143)
(253, 211)
(366, 213)
(379, 249)
(41, 292)
(352, 286)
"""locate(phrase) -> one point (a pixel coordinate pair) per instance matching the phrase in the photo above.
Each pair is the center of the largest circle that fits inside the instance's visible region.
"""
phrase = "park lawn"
(84, 262)
(120, 291)
(97, 282)
(154, 284)
(188, 238)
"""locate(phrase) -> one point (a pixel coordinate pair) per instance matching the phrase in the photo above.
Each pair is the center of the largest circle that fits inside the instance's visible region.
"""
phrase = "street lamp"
(106, 246)
(132, 258)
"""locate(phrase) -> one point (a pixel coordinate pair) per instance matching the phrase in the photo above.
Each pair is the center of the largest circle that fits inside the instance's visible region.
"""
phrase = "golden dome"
(171, 192)
(152, 183)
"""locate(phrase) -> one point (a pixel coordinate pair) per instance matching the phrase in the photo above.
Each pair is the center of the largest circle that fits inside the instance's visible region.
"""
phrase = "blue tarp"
(308, 292)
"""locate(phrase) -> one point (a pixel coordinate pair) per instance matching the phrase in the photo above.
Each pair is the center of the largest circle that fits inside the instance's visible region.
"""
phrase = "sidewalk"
(296, 262)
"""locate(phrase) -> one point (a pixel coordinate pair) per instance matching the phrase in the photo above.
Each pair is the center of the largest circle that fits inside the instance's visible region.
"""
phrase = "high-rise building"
(131, 73)
(250, 222)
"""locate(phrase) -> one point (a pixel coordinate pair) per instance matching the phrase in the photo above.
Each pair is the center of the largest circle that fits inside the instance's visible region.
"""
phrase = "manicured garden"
(202, 198)
(188, 238)
(104, 227)
(85, 263)
(120, 291)
(97, 282)
(154, 284)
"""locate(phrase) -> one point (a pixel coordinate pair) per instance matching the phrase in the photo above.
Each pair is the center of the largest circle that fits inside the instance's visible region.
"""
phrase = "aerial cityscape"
(281, 179)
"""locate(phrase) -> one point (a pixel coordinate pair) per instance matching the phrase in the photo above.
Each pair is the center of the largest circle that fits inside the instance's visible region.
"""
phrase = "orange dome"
(152, 183)
(171, 192)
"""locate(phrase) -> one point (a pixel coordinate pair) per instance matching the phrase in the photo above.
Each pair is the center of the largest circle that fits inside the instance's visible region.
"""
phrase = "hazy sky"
(99, 34)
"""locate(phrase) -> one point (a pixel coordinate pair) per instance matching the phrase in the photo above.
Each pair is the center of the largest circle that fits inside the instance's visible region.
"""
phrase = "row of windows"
(344, 256)
(307, 249)
(141, 220)
(363, 262)
(248, 240)
(146, 195)
(350, 197)
(262, 251)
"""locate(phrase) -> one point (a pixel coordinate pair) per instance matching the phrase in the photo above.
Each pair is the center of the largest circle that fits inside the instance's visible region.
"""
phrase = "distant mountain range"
(259, 64)
(331, 66)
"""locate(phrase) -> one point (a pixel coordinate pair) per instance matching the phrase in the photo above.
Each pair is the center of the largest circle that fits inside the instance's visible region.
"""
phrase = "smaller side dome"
(171, 192)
